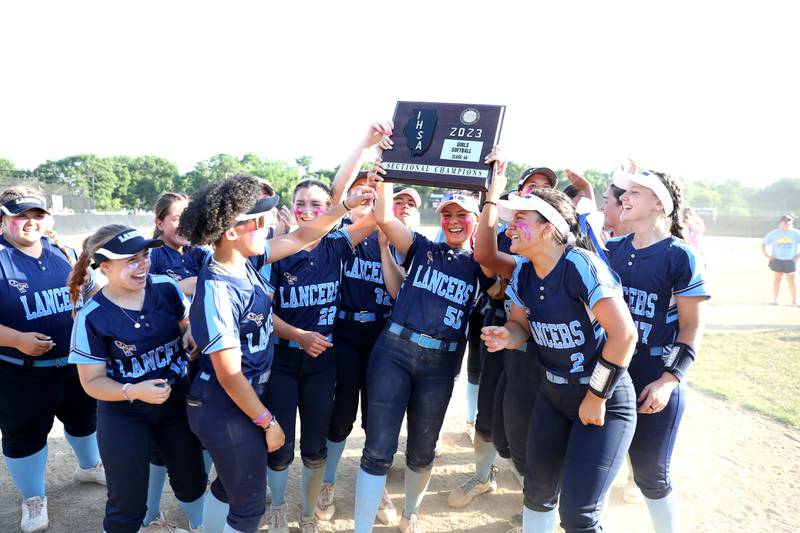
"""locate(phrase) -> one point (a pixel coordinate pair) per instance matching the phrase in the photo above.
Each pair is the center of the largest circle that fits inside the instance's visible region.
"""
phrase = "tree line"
(123, 182)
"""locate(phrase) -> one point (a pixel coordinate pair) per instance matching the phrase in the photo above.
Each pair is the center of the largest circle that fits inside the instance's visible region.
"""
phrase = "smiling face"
(527, 232)
(26, 228)
(309, 203)
(168, 226)
(458, 225)
(127, 274)
(405, 208)
(639, 203)
(249, 237)
(612, 209)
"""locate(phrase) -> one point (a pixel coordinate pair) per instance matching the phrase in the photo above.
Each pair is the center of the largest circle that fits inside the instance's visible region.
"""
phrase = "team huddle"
(200, 346)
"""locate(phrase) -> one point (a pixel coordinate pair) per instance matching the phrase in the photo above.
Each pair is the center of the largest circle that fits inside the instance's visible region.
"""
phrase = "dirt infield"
(734, 470)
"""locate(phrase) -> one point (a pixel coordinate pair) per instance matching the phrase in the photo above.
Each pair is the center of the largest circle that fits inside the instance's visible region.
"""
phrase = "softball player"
(232, 321)
(182, 262)
(571, 304)
(304, 368)
(36, 383)
(129, 344)
(363, 310)
(664, 285)
(414, 360)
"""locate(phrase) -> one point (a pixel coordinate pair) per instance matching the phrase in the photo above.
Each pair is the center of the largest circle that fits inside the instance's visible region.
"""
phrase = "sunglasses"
(261, 222)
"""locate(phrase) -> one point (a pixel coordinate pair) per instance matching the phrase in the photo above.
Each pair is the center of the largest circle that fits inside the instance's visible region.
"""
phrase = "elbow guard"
(678, 360)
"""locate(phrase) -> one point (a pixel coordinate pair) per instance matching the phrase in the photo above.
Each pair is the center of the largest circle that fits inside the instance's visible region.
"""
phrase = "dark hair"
(561, 203)
(617, 192)
(80, 270)
(571, 191)
(311, 182)
(163, 205)
(676, 224)
(214, 209)
(362, 175)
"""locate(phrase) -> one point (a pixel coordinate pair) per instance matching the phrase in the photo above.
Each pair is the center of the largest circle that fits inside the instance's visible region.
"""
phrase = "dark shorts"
(784, 266)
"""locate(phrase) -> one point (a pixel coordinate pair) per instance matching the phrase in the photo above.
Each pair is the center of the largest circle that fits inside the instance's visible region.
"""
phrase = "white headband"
(647, 179)
(515, 202)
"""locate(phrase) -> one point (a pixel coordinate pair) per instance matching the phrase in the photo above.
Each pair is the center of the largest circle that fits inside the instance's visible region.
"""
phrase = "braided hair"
(80, 270)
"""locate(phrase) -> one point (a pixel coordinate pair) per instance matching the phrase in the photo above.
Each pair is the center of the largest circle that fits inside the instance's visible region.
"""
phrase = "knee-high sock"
(311, 485)
(155, 487)
(369, 490)
(472, 401)
(215, 514)
(207, 461)
(485, 453)
(229, 529)
(335, 450)
(85, 449)
(277, 485)
(28, 473)
(416, 483)
(194, 511)
(536, 522)
(663, 513)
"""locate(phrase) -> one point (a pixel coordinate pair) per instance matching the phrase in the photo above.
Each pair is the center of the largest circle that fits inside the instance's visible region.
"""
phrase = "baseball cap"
(544, 171)
(410, 192)
(468, 203)
(788, 217)
(123, 245)
(22, 204)
(263, 205)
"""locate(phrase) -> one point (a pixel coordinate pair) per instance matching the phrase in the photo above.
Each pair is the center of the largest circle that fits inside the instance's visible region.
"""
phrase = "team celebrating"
(202, 345)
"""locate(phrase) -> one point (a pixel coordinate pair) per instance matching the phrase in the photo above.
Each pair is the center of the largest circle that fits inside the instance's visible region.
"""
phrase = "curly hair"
(213, 210)
(676, 224)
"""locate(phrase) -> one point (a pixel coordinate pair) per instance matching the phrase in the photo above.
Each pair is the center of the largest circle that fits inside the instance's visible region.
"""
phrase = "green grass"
(758, 370)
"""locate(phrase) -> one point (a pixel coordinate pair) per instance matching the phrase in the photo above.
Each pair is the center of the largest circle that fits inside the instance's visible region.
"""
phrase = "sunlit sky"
(704, 90)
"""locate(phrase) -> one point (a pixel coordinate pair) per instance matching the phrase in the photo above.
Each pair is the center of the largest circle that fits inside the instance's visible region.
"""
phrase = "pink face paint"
(523, 228)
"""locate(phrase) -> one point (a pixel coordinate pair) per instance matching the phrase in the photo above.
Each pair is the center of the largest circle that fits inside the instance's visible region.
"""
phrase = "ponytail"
(676, 224)
(80, 270)
(61, 246)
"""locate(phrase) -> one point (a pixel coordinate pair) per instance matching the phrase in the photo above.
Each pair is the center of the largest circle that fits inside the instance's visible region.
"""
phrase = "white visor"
(647, 179)
(507, 208)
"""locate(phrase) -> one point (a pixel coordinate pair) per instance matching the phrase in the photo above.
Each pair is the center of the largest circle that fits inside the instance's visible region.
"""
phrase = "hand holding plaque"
(443, 145)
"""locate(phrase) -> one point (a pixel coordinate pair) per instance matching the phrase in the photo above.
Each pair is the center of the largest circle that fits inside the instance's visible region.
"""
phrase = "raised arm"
(378, 134)
(393, 274)
(294, 241)
(399, 235)
(486, 252)
(581, 183)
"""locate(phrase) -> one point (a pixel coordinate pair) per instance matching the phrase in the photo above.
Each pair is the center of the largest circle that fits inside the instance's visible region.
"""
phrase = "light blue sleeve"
(85, 347)
(512, 290)
(220, 320)
(770, 238)
(596, 279)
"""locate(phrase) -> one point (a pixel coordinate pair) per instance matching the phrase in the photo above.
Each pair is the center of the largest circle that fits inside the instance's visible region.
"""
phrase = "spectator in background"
(695, 227)
(784, 242)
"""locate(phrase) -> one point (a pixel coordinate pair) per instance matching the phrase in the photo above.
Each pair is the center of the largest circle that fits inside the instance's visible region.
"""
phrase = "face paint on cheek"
(523, 228)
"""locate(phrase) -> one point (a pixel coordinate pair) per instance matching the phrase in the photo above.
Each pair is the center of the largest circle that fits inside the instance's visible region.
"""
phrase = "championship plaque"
(443, 145)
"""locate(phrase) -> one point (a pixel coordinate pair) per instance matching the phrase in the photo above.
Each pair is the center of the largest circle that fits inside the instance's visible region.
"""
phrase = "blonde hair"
(80, 270)
(19, 191)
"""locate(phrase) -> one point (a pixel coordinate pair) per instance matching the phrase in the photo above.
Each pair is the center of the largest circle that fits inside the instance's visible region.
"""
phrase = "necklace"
(136, 323)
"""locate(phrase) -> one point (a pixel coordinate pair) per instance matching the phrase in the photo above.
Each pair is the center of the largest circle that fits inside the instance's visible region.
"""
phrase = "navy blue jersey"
(503, 240)
(362, 279)
(559, 309)
(34, 295)
(651, 279)
(104, 333)
(307, 283)
(229, 311)
(165, 260)
(440, 289)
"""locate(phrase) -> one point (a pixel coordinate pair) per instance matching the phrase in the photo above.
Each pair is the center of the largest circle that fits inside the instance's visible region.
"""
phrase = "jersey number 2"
(577, 363)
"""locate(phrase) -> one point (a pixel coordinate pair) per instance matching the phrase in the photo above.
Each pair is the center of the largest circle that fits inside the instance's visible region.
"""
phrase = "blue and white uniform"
(652, 278)
(135, 346)
(232, 312)
(35, 390)
(307, 296)
(178, 266)
(565, 456)
(365, 306)
(412, 367)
